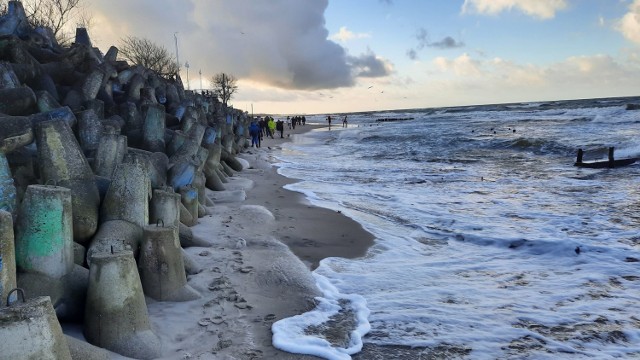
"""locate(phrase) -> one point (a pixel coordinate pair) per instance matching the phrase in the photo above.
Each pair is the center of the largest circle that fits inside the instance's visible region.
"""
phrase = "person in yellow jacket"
(271, 125)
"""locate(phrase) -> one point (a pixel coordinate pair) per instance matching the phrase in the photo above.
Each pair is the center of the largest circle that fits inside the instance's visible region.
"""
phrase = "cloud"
(280, 43)
(369, 65)
(345, 35)
(423, 38)
(629, 25)
(541, 9)
(463, 65)
(447, 43)
(422, 35)
(412, 54)
(588, 76)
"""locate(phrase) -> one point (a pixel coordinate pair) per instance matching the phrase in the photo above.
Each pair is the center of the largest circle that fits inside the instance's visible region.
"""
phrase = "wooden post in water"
(611, 159)
(580, 154)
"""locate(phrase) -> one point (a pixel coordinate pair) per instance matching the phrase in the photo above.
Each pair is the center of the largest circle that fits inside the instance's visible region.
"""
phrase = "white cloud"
(542, 9)
(463, 65)
(345, 35)
(573, 75)
(281, 43)
(629, 25)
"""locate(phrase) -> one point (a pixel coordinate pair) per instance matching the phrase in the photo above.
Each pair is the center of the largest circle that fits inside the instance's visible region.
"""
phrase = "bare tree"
(224, 86)
(54, 14)
(144, 52)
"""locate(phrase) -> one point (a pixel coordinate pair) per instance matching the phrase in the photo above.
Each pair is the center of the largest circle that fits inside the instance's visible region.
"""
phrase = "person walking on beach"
(344, 121)
(329, 120)
(280, 128)
(254, 132)
(263, 127)
(271, 126)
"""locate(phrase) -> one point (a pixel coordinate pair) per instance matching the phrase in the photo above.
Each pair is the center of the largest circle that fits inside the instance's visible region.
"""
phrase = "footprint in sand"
(246, 269)
(253, 354)
(222, 344)
(243, 305)
(217, 320)
(221, 283)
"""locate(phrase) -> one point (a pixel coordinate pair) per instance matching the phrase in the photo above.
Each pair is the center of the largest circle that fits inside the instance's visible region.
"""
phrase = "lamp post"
(175, 36)
(200, 72)
(186, 65)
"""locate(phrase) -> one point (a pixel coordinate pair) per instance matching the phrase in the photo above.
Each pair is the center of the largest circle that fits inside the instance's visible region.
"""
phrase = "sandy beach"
(264, 242)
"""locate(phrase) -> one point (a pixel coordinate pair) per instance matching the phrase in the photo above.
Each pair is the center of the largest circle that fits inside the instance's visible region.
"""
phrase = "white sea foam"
(294, 335)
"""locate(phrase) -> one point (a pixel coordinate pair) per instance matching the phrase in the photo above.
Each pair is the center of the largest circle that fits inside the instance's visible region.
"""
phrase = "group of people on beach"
(296, 120)
(267, 126)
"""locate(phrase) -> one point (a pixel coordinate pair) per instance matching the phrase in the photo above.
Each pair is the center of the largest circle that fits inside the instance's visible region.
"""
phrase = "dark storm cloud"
(282, 43)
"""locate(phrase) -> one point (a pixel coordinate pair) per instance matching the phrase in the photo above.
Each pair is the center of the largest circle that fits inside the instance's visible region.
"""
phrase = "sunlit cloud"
(344, 35)
(463, 65)
(541, 9)
(241, 38)
(629, 25)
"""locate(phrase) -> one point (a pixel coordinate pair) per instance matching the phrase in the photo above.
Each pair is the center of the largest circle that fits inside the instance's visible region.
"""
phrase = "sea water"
(490, 243)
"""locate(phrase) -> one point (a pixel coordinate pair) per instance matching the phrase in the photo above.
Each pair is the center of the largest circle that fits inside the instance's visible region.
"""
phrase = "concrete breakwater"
(103, 165)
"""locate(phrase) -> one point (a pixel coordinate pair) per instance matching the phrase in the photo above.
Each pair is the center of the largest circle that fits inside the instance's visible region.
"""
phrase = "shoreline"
(265, 241)
(304, 226)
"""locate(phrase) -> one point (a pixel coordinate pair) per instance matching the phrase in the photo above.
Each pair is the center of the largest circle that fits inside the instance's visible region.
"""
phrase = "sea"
(490, 243)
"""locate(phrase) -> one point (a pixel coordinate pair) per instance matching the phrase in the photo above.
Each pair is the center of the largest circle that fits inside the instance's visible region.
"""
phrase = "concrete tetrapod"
(125, 208)
(129, 193)
(44, 238)
(15, 132)
(30, 330)
(182, 174)
(62, 160)
(161, 266)
(18, 101)
(111, 151)
(153, 128)
(116, 316)
(45, 250)
(189, 198)
(89, 130)
(7, 255)
(8, 195)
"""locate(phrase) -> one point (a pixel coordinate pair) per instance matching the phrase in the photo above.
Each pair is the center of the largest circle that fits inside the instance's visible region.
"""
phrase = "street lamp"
(187, 66)
(175, 36)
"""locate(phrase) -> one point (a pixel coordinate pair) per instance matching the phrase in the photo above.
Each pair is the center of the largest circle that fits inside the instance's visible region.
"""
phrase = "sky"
(340, 56)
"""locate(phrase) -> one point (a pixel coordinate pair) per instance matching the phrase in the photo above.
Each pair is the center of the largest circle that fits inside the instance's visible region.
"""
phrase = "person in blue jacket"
(254, 132)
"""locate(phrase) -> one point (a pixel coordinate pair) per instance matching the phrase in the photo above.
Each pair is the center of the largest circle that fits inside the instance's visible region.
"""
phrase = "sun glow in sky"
(330, 56)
